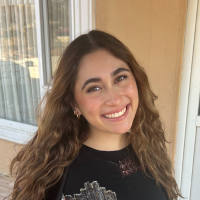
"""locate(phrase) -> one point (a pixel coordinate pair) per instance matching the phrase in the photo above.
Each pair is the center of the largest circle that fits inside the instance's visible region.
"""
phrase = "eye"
(93, 89)
(120, 78)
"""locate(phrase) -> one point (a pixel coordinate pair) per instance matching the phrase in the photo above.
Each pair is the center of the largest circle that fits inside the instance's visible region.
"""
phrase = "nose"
(113, 97)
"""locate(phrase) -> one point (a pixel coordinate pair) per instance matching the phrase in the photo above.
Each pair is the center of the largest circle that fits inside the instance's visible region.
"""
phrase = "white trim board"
(195, 194)
(82, 17)
(15, 131)
(198, 121)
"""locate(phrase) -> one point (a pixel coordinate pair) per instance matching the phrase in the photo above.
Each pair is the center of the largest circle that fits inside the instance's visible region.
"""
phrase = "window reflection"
(19, 72)
(59, 28)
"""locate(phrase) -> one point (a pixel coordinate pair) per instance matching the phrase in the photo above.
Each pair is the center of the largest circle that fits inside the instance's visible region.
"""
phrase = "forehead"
(99, 64)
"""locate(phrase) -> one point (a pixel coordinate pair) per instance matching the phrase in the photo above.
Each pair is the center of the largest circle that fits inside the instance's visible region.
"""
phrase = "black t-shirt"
(109, 175)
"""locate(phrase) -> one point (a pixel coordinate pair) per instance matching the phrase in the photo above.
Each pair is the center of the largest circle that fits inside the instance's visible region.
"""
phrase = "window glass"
(19, 65)
(19, 71)
(59, 26)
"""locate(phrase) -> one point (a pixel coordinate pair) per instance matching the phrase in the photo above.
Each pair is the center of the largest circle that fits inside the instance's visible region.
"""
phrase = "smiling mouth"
(115, 115)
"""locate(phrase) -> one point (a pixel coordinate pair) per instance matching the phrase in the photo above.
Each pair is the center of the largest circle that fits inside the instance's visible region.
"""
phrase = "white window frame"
(82, 20)
(187, 165)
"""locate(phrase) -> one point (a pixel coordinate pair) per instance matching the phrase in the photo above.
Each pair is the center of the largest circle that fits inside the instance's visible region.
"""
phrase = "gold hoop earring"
(78, 116)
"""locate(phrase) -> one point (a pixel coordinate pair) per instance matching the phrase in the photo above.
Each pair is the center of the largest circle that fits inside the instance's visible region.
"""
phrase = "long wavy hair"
(41, 162)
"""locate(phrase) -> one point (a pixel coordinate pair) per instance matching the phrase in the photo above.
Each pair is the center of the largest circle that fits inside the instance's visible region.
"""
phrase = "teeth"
(116, 114)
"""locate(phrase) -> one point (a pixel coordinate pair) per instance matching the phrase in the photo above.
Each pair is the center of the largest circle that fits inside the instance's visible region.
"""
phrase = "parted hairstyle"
(40, 163)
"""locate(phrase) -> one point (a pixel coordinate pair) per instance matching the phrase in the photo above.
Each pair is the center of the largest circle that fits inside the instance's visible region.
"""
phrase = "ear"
(75, 108)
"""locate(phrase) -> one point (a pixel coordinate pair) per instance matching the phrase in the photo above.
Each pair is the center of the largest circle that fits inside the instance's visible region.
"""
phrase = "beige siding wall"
(154, 32)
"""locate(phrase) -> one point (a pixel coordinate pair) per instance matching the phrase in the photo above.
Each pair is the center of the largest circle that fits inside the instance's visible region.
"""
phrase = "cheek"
(131, 89)
(88, 106)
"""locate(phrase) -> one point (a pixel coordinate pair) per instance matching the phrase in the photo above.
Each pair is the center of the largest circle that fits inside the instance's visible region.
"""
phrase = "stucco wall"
(7, 152)
(154, 31)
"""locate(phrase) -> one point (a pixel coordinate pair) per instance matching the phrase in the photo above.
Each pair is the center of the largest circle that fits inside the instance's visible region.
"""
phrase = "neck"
(107, 141)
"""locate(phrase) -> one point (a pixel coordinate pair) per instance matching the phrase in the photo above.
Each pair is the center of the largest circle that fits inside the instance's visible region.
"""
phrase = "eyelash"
(91, 89)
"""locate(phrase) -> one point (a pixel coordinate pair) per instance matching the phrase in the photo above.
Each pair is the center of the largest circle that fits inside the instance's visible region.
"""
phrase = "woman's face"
(106, 93)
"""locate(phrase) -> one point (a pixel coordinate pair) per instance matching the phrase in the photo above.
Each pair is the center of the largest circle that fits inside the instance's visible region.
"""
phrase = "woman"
(99, 134)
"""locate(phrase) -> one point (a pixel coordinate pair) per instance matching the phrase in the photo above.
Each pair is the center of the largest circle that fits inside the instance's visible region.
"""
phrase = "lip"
(115, 111)
(118, 118)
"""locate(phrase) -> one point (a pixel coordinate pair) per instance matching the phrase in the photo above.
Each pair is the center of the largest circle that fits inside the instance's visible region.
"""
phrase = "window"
(33, 34)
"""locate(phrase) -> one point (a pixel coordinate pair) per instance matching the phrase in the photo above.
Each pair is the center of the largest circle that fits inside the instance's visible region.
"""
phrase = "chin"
(122, 131)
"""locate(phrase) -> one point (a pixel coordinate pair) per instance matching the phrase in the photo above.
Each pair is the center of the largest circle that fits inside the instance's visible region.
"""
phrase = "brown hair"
(41, 162)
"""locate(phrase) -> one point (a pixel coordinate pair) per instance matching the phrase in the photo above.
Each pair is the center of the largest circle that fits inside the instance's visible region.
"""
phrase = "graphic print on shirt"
(92, 191)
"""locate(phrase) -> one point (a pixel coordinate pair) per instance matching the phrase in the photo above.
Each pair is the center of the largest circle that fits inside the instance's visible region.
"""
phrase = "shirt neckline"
(113, 151)
(114, 156)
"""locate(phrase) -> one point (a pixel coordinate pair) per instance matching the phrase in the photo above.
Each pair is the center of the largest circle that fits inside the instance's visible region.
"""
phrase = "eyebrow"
(98, 79)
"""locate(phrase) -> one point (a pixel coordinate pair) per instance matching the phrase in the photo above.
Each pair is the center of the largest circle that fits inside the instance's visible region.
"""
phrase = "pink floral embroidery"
(128, 166)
